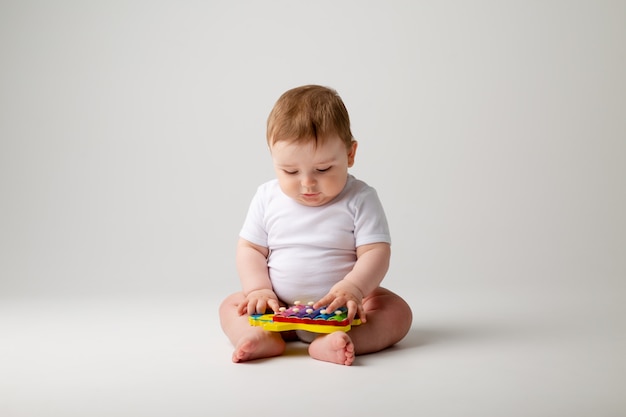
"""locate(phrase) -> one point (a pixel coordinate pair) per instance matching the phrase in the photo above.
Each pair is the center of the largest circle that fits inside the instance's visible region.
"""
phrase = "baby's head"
(309, 113)
(308, 133)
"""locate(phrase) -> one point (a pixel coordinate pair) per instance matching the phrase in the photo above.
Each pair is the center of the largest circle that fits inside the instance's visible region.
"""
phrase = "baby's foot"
(257, 346)
(336, 347)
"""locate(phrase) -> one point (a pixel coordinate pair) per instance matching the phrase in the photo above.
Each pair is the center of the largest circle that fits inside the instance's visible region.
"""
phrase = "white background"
(132, 137)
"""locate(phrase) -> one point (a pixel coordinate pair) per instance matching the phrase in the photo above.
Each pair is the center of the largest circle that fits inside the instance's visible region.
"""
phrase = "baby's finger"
(361, 313)
(352, 309)
(323, 302)
(261, 305)
(242, 309)
(335, 304)
(273, 304)
(251, 306)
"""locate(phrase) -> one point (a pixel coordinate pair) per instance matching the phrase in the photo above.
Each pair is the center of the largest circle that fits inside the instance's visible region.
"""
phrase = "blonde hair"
(309, 113)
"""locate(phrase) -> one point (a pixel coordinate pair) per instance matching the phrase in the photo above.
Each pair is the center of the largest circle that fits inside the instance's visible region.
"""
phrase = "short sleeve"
(253, 229)
(370, 221)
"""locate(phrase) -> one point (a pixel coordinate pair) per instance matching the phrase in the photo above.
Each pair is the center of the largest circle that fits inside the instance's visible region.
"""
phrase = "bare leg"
(250, 342)
(389, 319)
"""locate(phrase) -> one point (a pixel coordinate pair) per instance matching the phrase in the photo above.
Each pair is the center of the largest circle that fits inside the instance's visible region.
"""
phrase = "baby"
(314, 233)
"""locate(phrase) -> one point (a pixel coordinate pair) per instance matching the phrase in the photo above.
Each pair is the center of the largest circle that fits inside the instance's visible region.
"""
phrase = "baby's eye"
(290, 172)
(324, 170)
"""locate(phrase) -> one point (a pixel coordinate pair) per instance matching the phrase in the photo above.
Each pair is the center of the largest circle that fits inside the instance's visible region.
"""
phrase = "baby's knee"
(396, 308)
(231, 302)
(405, 314)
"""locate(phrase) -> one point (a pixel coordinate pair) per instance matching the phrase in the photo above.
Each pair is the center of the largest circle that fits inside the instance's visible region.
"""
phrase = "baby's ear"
(352, 152)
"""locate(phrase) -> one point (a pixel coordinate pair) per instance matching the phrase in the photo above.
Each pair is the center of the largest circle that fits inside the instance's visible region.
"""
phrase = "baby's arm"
(368, 272)
(251, 262)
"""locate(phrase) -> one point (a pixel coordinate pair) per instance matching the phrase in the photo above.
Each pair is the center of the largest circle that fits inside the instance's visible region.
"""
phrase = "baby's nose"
(308, 181)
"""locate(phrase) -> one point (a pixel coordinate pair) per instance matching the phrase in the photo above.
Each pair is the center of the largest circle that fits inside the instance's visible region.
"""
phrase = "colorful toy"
(305, 317)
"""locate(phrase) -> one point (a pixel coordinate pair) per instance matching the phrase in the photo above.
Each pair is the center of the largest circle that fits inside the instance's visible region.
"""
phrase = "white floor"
(482, 354)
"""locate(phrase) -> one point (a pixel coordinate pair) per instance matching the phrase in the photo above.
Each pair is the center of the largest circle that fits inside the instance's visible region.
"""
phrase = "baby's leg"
(335, 347)
(250, 342)
(389, 319)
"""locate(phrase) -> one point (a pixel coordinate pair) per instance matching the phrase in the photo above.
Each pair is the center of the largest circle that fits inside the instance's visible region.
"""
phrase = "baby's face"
(312, 175)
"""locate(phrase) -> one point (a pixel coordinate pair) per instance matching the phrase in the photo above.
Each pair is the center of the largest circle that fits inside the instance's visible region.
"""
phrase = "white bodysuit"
(312, 248)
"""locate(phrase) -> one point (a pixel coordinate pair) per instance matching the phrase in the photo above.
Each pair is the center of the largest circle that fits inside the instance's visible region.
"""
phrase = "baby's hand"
(257, 302)
(344, 293)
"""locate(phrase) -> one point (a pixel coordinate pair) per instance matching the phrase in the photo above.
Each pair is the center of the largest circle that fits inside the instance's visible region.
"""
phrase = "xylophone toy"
(305, 317)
